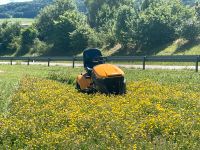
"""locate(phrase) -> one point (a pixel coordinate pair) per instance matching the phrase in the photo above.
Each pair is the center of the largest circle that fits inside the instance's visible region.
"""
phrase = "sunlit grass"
(181, 47)
(46, 114)
(40, 109)
(11, 76)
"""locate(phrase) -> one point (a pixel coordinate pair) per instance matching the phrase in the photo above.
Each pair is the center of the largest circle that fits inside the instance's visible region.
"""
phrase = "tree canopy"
(63, 27)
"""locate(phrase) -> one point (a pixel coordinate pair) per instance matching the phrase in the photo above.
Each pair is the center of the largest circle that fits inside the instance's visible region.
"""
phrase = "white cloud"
(4, 2)
(9, 1)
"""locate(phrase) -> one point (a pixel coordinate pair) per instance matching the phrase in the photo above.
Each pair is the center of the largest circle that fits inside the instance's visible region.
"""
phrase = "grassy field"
(41, 110)
(22, 20)
(11, 75)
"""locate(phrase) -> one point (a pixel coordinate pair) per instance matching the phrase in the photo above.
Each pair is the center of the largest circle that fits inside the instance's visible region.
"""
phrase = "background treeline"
(189, 2)
(29, 9)
(32, 8)
(23, 9)
(62, 29)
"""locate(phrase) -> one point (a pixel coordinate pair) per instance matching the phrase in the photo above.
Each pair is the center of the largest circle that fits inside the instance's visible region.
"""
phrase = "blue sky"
(9, 1)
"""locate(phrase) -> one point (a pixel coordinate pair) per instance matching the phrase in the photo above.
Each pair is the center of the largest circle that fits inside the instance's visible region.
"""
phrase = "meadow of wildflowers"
(46, 114)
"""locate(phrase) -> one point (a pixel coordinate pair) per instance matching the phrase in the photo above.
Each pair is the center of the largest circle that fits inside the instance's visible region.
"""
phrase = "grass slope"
(181, 47)
(178, 47)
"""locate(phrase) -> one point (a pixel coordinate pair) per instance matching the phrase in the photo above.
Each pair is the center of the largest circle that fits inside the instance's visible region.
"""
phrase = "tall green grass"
(11, 76)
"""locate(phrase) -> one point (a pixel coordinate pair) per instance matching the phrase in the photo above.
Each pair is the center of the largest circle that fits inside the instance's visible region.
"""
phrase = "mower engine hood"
(107, 71)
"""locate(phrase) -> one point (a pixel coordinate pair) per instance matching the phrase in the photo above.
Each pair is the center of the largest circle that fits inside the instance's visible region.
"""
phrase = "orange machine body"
(84, 81)
(107, 71)
(99, 76)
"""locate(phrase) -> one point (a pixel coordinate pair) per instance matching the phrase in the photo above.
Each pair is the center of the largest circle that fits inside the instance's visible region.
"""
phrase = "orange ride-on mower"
(99, 76)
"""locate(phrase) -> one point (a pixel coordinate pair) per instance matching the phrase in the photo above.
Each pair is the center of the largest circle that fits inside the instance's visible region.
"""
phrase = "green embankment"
(178, 47)
(181, 47)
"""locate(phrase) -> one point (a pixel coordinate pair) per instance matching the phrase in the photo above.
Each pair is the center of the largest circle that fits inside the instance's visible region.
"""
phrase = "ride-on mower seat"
(91, 58)
(99, 76)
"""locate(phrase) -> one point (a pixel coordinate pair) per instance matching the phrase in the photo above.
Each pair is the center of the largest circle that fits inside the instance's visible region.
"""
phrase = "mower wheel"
(78, 87)
(123, 90)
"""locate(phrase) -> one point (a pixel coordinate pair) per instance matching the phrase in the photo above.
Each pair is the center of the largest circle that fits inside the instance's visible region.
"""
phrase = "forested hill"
(29, 9)
(23, 9)
(189, 2)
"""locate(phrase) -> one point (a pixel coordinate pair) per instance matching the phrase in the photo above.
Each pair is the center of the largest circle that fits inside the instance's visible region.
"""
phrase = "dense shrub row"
(61, 29)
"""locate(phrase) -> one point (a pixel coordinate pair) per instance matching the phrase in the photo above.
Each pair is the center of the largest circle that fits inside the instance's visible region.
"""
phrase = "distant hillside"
(29, 9)
(189, 2)
(2, 2)
(23, 9)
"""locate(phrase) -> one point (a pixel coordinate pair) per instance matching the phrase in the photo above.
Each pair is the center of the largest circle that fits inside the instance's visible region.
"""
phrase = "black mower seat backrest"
(89, 55)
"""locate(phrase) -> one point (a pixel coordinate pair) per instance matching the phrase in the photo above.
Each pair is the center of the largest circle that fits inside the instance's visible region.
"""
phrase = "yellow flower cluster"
(45, 114)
